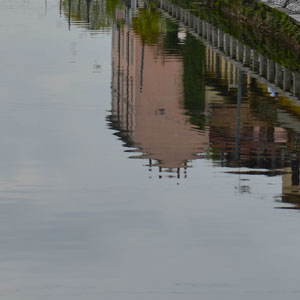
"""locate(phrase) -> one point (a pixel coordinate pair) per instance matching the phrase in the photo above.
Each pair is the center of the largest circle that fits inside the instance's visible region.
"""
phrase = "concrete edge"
(295, 17)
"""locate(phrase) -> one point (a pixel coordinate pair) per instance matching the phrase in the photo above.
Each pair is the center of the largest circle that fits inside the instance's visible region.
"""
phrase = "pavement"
(290, 7)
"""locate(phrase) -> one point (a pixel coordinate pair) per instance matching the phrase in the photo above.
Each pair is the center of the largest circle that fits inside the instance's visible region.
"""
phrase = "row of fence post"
(273, 72)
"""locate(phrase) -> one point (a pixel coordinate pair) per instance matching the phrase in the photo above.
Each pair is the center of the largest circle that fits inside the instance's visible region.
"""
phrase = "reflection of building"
(242, 134)
(150, 111)
(147, 102)
(175, 103)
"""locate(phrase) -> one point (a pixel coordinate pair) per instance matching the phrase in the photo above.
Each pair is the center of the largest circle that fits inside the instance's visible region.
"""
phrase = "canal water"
(139, 162)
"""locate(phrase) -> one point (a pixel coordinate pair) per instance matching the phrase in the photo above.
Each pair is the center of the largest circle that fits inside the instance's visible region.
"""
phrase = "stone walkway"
(290, 7)
(293, 6)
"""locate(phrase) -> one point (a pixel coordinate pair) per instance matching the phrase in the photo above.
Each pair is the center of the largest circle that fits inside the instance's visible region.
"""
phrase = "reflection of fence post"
(209, 32)
(220, 39)
(212, 61)
(199, 25)
(255, 61)
(270, 70)
(177, 12)
(247, 55)
(278, 75)
(240, 52)
(287, 78)
(231, 74)
(233, 48)
(204, 30)
(190, 19)
(208, 66)
(225, 70)
(262, 65)
(226, 43)
(217, 63)
(214, 37)
(195, 24)
(296, 84)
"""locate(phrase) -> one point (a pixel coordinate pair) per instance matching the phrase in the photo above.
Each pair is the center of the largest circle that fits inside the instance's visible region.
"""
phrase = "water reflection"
(176, 99)
(95, 15)
(148, 103)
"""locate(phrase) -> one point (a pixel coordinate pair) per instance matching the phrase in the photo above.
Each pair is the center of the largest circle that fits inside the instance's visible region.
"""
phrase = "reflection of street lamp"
(142, 68)
(69, 16)
(181, 35)
(88, 4)
(242, 188)
(238, 117)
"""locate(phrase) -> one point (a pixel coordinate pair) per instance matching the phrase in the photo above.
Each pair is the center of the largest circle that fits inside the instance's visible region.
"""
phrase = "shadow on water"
(182, 90)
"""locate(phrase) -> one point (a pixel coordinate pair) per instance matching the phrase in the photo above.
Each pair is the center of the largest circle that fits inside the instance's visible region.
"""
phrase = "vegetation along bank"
(268, 27)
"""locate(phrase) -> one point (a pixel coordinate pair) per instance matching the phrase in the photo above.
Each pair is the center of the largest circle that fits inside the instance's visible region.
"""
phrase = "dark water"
(138, 163)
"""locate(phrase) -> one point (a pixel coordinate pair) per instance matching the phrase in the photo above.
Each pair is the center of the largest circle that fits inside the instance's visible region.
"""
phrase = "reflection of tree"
(96, 14)
(148, 25)
(193, 55)
(111, 7)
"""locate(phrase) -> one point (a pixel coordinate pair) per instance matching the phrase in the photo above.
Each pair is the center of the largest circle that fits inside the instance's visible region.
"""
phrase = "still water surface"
(129, 168)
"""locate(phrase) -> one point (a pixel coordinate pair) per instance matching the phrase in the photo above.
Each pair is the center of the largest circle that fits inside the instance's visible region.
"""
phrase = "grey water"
(136, 163)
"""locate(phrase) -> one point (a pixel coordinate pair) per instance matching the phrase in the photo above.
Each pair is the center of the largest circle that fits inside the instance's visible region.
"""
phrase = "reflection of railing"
(256, 65)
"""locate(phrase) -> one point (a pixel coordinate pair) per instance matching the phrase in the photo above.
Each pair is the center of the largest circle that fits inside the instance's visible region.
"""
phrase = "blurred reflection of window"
(160, 112)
